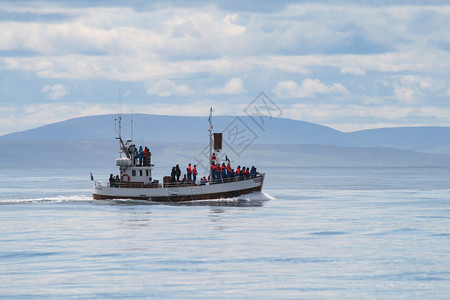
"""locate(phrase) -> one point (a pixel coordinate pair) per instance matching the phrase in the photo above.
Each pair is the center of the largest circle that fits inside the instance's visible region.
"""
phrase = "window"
(140, 173)
(133, 173)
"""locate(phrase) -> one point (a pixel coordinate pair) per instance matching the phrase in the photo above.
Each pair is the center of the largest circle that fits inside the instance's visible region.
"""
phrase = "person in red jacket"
(194, 172)
(213, 172)
(223, 174)
(247, 173)
(228, 171)
(189, 172)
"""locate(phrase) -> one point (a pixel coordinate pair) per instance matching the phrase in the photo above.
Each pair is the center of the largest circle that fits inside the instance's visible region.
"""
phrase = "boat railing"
(236, 178)
(171, 184)
(127, 184)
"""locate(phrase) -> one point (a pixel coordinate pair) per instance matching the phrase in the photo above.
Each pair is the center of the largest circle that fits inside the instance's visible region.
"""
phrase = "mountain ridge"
(274, 131)
(90, 142)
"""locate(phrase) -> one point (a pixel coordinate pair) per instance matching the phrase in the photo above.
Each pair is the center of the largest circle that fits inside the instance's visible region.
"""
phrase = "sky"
(349, 65)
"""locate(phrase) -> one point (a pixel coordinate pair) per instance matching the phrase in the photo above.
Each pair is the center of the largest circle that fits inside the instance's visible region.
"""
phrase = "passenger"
(184, 178)
(253, 172)
(189, 172)
(214, 157)
(228, 168)
(217, 171)
(178, 172)
(213, 176)
(194, 172)
(203, 181)
(144, 157)
(140, 155)
(247, 173)
(238, 173)
(117, 181)
(213, 172)
(223, 172)
(172, 174)
(242, 174)
(111, 180)
(147, 156)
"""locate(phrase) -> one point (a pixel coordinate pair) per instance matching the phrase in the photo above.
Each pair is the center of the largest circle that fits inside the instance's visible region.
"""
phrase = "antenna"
(210, 140)
(132, 124)
(119, 127)
(119, 108)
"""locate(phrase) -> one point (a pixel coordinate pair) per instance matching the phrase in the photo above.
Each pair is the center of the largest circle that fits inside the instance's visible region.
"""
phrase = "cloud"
(412, 89)
(308, 89)
(31, 116)
(233, 86)
(56, 91)
(14, 119)
(296, 50)
(166, 88)
(353, 117)
(353, 70)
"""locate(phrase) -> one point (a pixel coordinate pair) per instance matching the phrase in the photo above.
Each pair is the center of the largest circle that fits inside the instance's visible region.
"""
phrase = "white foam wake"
(57, 199)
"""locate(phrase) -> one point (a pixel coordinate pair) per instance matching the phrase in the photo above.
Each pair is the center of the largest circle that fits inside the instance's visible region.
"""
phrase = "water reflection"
(135, 219)
(221, 203)
(250, 200)
(216, 216)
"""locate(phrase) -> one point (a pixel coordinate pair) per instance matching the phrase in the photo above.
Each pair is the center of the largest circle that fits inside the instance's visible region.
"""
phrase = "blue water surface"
(315, 233)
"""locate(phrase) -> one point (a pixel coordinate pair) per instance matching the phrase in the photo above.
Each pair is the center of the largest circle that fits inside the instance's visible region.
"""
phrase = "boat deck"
(156, 184)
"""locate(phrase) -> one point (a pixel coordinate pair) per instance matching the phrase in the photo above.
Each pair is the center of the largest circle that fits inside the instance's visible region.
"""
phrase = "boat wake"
(57, 199)
(249, 200)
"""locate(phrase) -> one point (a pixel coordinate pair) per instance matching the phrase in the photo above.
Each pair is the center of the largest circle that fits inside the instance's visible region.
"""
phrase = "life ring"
(125, 178)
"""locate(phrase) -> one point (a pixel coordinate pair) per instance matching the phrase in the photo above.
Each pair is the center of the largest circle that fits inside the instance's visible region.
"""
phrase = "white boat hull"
(179, 192)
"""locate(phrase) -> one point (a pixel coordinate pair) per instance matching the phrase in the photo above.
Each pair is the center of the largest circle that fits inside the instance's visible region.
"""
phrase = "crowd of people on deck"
(114, 181)
(141, 157)
(225, 173)
(190, 176)
(219, 173)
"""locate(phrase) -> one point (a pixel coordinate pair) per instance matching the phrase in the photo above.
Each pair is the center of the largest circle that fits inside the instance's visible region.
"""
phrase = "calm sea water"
(315, 233)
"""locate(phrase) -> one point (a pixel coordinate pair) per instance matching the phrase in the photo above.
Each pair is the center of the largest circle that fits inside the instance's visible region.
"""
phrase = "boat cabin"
(130, 173)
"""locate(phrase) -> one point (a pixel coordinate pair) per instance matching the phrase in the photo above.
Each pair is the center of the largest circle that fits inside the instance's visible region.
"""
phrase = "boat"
(136, 181)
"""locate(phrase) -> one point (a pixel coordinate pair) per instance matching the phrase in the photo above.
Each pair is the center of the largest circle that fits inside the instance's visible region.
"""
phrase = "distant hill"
(422, 139)
(160, 128)
(183, 129)
(90, 142)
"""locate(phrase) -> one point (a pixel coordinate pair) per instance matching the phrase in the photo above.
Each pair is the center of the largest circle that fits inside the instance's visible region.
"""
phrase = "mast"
(210, 141)
(122, 146)
(132, 124)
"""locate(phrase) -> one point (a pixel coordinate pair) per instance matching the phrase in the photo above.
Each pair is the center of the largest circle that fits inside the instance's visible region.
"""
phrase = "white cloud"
(166, 88)
(56, 91)
(31, 116)
(353, 70)
(172, 50)
(233, 86)
(231, 28)
(405, 94)
(308, 89)
(413, 89)
(353, 117)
